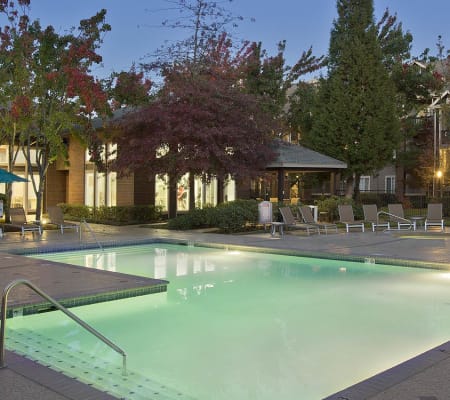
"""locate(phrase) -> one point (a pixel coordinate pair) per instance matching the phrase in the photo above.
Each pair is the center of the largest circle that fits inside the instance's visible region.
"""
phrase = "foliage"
(330, 206)
(195, 219)
(202, 20)
(355, 117)
(228, 217)
(270, 77)
(76, 212)
(112, 215)
(202, 122)
(48, 84)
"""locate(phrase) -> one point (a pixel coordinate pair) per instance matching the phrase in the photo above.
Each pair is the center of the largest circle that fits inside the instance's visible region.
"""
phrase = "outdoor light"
(439, 174)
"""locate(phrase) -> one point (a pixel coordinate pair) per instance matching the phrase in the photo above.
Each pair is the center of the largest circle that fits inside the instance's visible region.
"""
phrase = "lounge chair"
(308, 218)
(346, 217)
(19, 220)
(56, 217)
(371, 216)
(289, 221)
(434, 216)
(398, 217)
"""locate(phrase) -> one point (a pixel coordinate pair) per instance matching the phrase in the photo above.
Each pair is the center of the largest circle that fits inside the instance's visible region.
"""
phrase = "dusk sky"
(303, 23)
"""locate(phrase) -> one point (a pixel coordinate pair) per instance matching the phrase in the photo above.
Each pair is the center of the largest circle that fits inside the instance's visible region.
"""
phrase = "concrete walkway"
(425, 377)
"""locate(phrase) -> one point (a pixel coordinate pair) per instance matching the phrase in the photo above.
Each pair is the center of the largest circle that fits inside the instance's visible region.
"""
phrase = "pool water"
(237, 325)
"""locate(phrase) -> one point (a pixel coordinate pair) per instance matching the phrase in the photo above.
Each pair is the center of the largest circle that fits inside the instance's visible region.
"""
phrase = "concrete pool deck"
(423, 378)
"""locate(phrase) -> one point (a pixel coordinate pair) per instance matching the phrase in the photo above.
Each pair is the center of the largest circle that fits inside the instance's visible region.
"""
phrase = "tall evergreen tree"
(355, 116)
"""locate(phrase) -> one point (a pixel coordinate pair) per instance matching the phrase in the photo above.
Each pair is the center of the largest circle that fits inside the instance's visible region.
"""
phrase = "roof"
(294, 156)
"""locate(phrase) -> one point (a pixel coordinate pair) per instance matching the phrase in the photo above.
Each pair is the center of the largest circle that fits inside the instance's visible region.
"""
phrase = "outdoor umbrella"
(8, 177)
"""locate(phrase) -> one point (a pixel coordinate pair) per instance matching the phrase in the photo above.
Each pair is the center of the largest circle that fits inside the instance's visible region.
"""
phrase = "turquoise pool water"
(236, 325)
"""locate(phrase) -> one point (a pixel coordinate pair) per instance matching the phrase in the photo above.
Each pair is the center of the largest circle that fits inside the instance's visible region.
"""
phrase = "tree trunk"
(172, 197)
(400, 183)
(191, 191)
(220, 191)
(349, 188)
(356, 191)
(39, 197)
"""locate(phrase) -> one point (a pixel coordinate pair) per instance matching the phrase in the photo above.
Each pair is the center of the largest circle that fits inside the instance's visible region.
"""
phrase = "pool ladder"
(60, 307)
(83, 222)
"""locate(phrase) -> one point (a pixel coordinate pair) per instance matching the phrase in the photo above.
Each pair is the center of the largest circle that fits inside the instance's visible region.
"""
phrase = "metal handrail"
(71, 315)
(83, 222)
(408, 221)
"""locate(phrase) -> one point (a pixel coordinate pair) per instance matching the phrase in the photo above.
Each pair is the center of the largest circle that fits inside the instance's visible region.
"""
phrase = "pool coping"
(363, 390)
(387, 379)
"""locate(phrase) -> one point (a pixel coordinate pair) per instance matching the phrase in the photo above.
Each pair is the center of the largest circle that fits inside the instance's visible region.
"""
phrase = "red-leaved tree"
(49, 91)
(203, 122)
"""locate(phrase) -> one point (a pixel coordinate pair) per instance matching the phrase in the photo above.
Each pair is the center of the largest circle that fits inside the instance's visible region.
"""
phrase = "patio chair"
(371, 216)
(346, 217)
(398, 217)
(289, 221)
(308, 218)
(434, 216)
(56, 217)
(19, 220)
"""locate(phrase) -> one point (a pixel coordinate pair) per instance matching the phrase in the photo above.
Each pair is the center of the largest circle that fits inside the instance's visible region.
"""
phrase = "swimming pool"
(236, 325)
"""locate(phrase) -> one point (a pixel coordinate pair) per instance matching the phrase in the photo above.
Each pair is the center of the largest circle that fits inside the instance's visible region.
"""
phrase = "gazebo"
(296, 158)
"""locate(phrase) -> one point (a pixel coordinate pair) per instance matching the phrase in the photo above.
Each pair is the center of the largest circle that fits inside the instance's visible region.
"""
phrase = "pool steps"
(103, 375)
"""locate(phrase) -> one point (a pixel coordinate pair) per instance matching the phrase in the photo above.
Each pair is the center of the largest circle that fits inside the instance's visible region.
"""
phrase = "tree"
(203, 21)
(270, 77)
(202, 122)
(55, 94)
(13, 78)
(355, 117)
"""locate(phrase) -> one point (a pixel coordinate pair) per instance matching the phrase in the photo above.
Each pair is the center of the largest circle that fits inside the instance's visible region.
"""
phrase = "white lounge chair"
(308, 218)
(434, 216)
(289, 221)
(371, 216)
(56, 217)
(398, 217)
(346, 217)
(19, 220)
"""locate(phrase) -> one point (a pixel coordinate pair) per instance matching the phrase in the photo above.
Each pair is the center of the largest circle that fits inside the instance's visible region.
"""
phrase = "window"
(100, 187)
(364, 184)
(161, 192)
(389, 184)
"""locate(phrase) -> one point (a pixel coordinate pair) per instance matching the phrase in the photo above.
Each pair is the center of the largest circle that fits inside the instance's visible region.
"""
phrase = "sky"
(136, 30)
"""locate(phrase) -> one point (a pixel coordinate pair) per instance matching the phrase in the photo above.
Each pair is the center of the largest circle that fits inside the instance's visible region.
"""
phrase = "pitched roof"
(294, 156)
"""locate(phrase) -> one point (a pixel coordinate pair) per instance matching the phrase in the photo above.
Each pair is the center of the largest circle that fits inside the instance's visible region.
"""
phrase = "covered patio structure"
(294, 158)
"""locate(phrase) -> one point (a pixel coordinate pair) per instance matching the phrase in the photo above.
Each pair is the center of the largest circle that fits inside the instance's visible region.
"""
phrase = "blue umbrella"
(8, 177)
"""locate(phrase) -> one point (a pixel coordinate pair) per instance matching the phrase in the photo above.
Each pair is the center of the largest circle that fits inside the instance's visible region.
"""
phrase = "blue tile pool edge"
(85, 300)
(189, 242)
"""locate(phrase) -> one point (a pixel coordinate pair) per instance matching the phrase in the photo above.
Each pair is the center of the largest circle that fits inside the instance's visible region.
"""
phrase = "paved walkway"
(424, 378)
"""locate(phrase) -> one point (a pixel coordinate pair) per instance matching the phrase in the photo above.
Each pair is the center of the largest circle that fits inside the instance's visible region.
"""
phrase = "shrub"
(228, 217)
(76, 212)
(195, 219)
(112, 215)
(236, 215)
(330, 206)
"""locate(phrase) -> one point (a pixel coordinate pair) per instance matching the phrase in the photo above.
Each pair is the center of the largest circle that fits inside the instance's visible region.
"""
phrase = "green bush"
(237, 215)
(228, 217)
(76, 212)
(112, 215)
(195, 219)
(330, 206)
